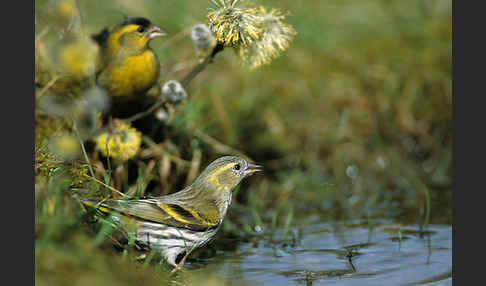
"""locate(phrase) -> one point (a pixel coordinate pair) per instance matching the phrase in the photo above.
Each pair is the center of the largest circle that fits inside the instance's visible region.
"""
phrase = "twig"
(201, 66)
(194, 167)
(184, 82)
(75, 129)
(48, 85)
(161, 152)
(149, 111)
(80, 14)
(218, 146)
(41, 34)
(105, 185)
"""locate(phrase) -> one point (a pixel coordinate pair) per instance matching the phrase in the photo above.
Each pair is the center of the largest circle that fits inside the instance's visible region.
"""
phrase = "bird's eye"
(237, 167)
(141, 29)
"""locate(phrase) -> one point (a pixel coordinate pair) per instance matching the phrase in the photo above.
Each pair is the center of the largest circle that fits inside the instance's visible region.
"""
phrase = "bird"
(126, 66)
(176, 223)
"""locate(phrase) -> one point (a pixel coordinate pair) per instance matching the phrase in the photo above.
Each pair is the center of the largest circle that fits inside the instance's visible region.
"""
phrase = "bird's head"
(225, 173)
(132, 36)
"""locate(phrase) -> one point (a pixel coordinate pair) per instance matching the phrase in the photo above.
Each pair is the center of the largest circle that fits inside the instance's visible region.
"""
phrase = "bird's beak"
(252, 168)
(156, 32)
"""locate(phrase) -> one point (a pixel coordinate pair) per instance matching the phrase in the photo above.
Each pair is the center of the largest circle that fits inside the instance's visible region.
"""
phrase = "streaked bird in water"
(176, 223)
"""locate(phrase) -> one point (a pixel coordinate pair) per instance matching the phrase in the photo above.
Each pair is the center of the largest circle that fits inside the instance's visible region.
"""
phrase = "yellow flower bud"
(123, 143)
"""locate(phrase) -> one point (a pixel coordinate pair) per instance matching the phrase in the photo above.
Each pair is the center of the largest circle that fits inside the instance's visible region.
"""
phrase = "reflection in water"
(345, 254)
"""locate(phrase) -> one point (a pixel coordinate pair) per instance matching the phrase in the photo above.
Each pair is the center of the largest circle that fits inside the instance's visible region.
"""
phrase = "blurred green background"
(352, 121)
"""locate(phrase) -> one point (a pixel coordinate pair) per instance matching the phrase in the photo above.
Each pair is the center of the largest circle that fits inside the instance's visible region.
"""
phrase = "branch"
(218, 146)
(201, 66)
(185, 82)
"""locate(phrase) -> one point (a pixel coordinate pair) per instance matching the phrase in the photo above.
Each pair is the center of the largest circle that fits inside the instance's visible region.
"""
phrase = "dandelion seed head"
(60, 13)
(66, 8)
(275, 38)
(173, 91)
(352, 171)
(56, 104)
(95, 98)
(234, 26)
(76, 58)
(87, 122)
(123, 143)
(64, 146)
(90, 106)
(202, 38)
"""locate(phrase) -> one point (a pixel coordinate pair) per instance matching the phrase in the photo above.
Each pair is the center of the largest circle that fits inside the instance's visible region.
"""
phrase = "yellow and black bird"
(126, 66)
(179, 222)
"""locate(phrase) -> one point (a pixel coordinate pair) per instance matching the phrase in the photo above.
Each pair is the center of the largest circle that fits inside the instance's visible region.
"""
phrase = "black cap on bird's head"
(144, 22)
(145, 26)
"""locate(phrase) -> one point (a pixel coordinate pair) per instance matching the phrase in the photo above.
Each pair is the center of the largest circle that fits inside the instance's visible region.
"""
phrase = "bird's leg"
(183, 260)
(179, 266)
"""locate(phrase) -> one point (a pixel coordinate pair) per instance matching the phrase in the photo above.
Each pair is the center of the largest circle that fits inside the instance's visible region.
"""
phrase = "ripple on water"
(348, 254)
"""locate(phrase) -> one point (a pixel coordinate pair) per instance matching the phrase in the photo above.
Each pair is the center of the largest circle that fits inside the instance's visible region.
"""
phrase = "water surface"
(341, 254)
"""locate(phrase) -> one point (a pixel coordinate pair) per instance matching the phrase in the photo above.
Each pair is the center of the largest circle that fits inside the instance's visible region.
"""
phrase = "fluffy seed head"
(234, 26)
(61, 13)
(76, 58)
(89, 108)
(202, 38)
(64, 146)
(173, 91)
(275, 38)
(122, 144)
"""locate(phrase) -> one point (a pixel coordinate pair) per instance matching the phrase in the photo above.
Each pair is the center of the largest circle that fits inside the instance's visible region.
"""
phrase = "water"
(342, 254)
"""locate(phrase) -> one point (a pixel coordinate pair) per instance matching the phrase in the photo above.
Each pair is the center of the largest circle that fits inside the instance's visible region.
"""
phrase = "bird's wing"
(156, 211)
